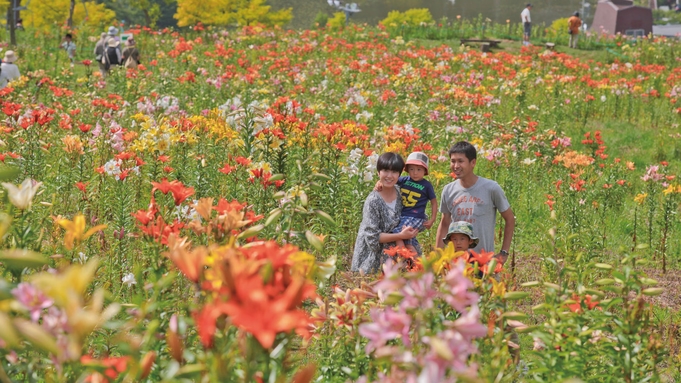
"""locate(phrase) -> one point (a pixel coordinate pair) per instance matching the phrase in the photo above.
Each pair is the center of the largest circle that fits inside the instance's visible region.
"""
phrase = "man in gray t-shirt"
(476, 200)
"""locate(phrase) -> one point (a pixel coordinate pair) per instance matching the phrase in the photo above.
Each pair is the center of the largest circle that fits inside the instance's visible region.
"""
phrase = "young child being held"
(461, 235)
(416, 192)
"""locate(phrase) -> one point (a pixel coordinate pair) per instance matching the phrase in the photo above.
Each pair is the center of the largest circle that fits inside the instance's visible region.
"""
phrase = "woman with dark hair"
(381, 213)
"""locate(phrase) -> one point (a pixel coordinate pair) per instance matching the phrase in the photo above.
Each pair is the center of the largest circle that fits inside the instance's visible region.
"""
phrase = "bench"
(550, 46)
(492, 43)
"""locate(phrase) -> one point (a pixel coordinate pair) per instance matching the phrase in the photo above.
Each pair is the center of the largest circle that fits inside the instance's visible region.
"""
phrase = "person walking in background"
(9, 71)
(113, 33)
(113, 56)
(131, 56)
(527, 24)
(70, 47)
(100, 50)
(574, 23)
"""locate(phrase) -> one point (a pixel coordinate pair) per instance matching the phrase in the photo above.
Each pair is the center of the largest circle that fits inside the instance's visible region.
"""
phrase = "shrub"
(559, 27)
(320, 20)
(337, 21)
(411, 17)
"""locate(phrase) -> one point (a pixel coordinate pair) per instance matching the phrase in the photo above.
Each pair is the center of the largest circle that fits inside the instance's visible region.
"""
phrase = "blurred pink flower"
(468, 324)
(652, 174)
(392, 280)
(419, 293)
(459, 297)
(387, 325)
(32, 298)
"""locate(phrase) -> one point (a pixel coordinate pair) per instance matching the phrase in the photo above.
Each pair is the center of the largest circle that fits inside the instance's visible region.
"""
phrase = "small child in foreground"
(460, 233)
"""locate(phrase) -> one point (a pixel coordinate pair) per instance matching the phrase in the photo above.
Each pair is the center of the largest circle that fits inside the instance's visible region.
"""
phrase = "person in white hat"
(112, 56)
(416, 193)
(10, 70)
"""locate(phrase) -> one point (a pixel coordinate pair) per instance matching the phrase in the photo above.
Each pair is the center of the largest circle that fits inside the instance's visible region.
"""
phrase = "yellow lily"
(75, 230)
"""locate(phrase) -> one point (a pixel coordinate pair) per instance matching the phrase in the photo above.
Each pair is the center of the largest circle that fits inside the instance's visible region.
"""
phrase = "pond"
(373, 11)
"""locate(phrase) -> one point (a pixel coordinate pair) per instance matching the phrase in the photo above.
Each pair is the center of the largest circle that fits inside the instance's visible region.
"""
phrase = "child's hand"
(429, 223)
(408, 232)
(379, 186)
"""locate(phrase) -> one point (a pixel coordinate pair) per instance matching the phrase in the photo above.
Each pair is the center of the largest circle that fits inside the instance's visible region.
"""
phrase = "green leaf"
(552, 286)
(36, 335)
(251, 232)
(190, 370)
(530, 284)
(605, 282)
(314, 240)
(274, 214)
(325, 217)
(653, 291)
(8, 173)
(515, 295)
(18, 259)
(7, 332)
(322, 176)
(516, 315)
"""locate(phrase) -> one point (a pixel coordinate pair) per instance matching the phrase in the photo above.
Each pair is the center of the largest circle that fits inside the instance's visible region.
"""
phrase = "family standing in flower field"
(422, 199)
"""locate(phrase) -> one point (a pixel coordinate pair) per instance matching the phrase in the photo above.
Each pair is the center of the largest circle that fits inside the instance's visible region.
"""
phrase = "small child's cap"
(418, 158)
(462, 227)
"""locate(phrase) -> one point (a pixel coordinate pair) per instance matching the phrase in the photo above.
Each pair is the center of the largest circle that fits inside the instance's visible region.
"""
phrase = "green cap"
(462, 227)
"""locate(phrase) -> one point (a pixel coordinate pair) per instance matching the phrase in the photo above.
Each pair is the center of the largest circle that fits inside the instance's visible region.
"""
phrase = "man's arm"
(509, 228)
(442, 229)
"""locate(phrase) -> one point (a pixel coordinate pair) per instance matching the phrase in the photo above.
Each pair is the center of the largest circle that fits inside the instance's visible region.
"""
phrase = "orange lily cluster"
(229, 218)
(482, 259)
(257, 287)
(151, 223)
(412, 262)
(577, 306)
(112, 366)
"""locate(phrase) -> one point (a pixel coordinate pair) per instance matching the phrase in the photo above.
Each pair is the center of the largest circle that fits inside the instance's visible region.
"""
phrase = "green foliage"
(666, 17)
(410, 17)
(337, 21)
(225, 12)
(44, 15)
(320, 20)
(559, 26)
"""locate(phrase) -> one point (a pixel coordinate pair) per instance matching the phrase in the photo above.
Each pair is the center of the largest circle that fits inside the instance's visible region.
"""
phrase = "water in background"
(373, 11)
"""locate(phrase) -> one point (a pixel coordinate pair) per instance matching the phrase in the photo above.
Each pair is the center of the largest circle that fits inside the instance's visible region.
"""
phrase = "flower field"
(193, 219)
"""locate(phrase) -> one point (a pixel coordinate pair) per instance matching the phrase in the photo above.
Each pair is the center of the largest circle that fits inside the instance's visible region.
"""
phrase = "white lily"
(22, 196)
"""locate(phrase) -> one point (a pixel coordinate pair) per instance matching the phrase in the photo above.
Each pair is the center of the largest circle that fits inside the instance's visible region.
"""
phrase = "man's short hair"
(390, 161)
(465, 148)
(69, 35)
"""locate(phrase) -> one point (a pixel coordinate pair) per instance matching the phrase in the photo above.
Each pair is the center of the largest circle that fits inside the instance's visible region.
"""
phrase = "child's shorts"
(416, 223)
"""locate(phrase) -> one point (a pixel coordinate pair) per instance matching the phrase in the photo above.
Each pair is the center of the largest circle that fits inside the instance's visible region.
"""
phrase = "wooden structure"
(622, 16)
(490, 43)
